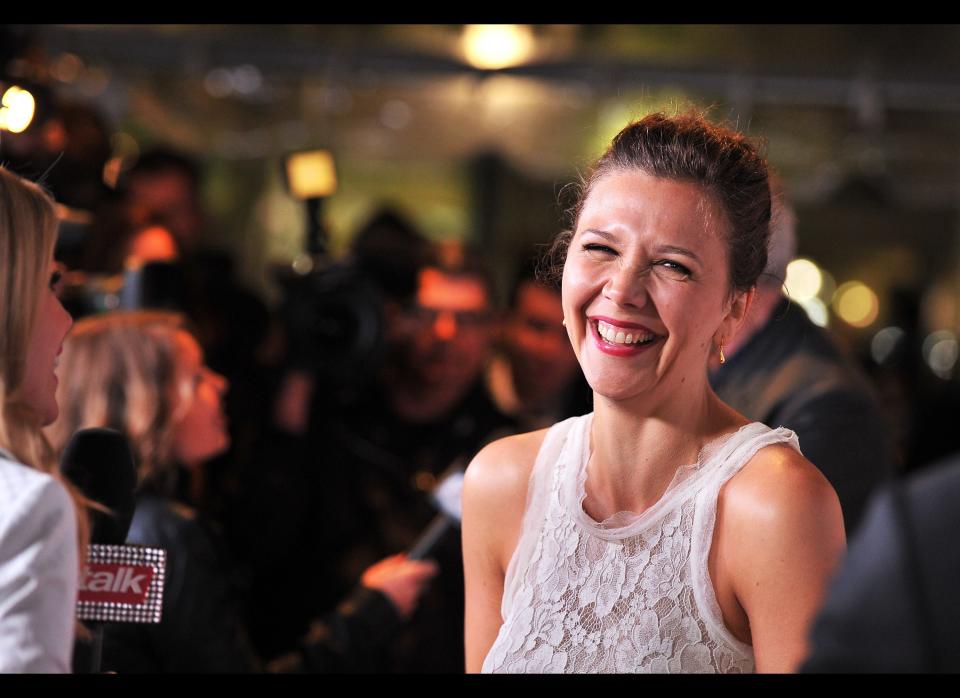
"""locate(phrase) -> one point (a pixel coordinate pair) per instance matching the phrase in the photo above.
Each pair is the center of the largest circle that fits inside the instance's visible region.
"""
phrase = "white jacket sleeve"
(38, 571)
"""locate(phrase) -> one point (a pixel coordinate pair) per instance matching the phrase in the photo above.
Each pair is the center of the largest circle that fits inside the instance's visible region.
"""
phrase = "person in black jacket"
(144, 374)
(374, 454)
(783, 370)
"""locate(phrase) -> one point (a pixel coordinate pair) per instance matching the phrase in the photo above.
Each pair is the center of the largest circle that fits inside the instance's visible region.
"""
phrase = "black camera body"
(334, 321)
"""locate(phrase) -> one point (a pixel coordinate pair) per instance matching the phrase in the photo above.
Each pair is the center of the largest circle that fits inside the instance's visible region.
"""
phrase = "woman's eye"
(55, 278)
(672, 270)
(601, 249)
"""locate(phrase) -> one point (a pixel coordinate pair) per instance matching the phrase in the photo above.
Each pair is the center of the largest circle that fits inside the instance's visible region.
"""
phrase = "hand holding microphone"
(400, 579)
(403, 578)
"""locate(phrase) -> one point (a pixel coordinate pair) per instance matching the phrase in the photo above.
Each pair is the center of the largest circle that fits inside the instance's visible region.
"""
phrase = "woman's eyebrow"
(602, 233)
(679, 250)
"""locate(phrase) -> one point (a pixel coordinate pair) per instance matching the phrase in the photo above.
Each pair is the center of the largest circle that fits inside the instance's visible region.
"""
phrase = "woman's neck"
(637, 445)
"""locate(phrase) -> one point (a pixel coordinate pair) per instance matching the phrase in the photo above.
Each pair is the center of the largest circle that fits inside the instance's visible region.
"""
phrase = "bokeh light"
(67, 67)
(396, 114)
(828, 286)
(16, 109)
(816, 310)
(856, 304)
(311, 174)
(495, 46)
(803, 280)
(938, 305)
(940, 351)
(885, 342)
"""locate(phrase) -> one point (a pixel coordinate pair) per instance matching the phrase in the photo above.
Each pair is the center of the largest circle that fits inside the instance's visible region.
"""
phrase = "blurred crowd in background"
(373, 369)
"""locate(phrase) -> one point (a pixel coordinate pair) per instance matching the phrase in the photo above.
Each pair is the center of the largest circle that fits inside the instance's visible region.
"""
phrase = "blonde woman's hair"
(28, 233)
(118, 371)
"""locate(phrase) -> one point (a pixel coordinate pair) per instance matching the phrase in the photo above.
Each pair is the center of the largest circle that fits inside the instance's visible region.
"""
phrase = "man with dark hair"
(363, 462)
(387, 450)
(783, 370)
(535, 377)
(166, 184)
(443, 341)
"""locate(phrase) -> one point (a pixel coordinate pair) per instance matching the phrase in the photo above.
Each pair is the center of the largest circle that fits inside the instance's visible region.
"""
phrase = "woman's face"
(646, 292)
(200, 426)
(44, 346)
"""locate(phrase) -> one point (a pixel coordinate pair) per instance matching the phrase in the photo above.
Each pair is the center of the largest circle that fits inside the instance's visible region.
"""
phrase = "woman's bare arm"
(784, 535)
(494, 497)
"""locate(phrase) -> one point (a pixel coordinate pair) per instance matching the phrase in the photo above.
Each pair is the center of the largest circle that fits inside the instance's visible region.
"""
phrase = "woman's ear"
(740, 303)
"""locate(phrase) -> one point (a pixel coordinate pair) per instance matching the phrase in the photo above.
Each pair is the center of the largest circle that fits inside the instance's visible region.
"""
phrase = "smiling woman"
(664, 531)
(646, 276)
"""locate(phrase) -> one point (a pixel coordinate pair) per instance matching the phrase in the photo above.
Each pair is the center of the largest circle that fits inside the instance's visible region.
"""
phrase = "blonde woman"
(144, 374)
(39, 523)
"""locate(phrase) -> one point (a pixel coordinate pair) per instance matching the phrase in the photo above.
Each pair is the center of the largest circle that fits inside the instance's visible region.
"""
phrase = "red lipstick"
(620, 350)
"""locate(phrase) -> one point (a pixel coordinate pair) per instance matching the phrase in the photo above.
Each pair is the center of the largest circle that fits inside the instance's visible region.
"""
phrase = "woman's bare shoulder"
(494, 499)
(784, 506)
(502, 468)
(779, 482)
(780, 536)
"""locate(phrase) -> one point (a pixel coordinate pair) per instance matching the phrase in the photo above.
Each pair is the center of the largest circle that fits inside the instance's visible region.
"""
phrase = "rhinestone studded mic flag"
(122, 584)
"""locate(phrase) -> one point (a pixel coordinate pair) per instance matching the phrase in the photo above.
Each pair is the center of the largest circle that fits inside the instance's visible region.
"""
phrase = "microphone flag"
(122, 584)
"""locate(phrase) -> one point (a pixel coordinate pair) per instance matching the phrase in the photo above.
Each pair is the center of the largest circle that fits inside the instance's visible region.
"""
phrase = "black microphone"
(121, 583)
(99, 463)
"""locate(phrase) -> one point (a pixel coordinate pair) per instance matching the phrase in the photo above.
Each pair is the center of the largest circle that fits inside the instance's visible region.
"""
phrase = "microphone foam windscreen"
(100, 463)
(447, 495)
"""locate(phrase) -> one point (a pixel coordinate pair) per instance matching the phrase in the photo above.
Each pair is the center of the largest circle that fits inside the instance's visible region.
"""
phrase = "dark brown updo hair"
(689, 148)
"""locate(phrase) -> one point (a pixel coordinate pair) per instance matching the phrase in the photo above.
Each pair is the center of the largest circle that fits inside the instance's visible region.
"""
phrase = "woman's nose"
(627, 286)
(220, 382)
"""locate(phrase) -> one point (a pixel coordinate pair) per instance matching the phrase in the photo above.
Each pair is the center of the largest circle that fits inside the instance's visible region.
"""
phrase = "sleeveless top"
(630, 594)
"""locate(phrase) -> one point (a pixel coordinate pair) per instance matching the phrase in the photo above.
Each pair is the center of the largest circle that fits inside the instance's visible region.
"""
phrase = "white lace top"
(631, 594)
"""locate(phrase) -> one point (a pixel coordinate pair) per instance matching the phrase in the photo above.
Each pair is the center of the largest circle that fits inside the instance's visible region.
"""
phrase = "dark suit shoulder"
(935, 492)
(867, 623)
(893, 605)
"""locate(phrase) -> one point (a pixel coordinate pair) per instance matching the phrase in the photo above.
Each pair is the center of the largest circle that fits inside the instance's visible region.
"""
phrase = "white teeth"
(614, 336)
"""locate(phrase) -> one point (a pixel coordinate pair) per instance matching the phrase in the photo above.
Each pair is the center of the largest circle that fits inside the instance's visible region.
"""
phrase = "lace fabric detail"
(630, 594)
